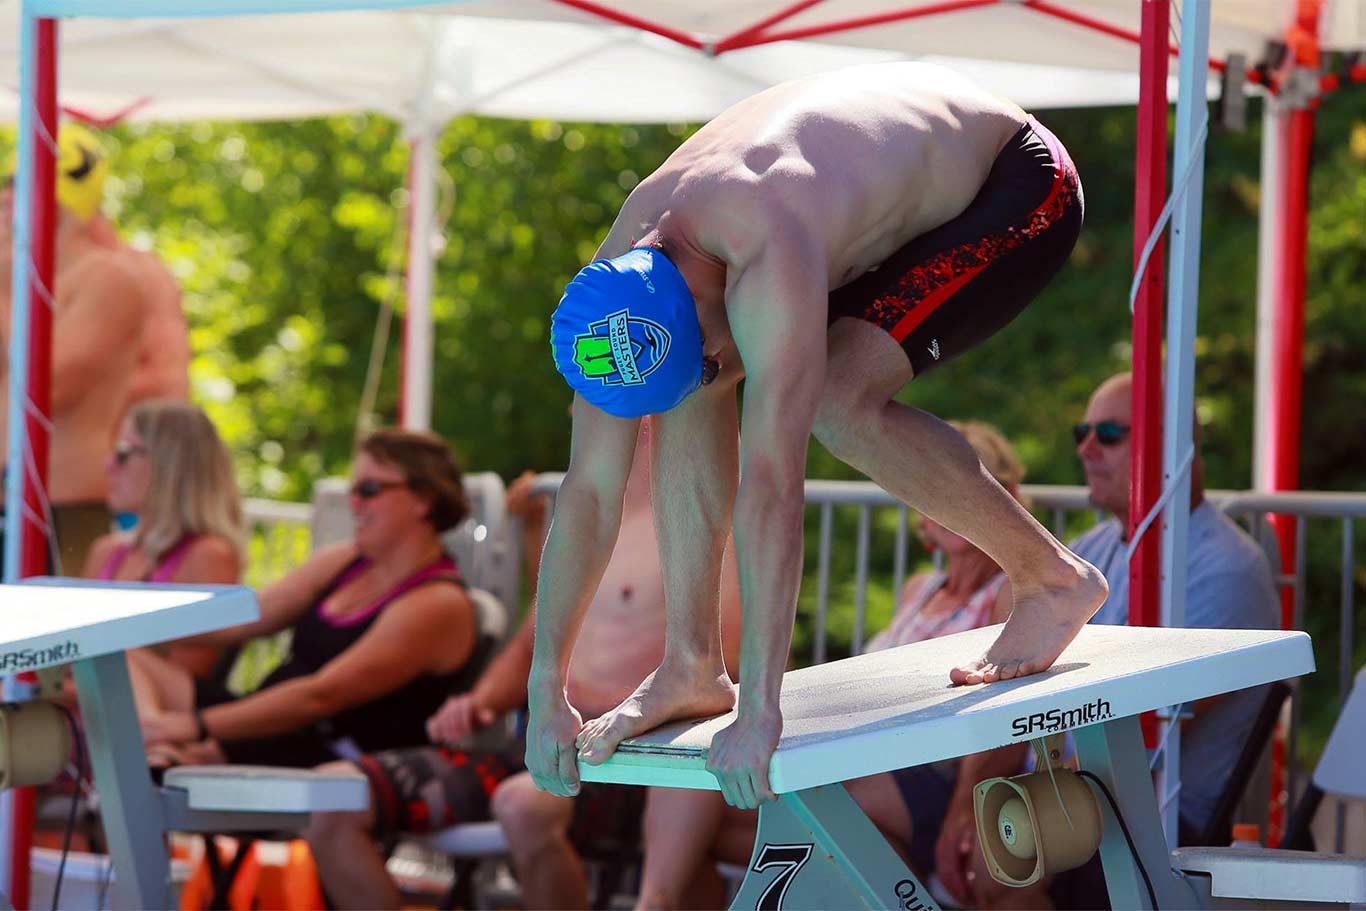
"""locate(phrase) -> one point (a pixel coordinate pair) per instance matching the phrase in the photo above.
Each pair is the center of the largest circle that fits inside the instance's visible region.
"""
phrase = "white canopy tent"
(424, 66)
(642, 60)
(423, 63)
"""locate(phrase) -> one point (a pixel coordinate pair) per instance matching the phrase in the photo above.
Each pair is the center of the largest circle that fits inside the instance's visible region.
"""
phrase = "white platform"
(1287, 876)
(51, 621)
(264, 789)
(894, 709)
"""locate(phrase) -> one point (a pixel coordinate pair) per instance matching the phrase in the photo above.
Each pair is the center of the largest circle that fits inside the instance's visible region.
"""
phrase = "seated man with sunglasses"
(1228, 586)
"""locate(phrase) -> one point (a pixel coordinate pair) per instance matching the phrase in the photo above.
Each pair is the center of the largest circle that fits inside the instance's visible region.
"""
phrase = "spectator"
(118, 337)
(1228, 586)
(431, 788)
(382, 630)
(171, 471)
(907, 805)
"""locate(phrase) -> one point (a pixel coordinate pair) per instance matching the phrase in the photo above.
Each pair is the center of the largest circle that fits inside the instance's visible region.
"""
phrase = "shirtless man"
(118, 337)
(828, 239)
(429, 788)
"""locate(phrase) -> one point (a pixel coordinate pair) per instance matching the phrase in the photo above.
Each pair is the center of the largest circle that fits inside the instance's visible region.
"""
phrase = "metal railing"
(279, 538)
(858, 516)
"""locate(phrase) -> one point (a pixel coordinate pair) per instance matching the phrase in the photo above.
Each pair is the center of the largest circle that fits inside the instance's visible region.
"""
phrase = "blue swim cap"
(625, 334)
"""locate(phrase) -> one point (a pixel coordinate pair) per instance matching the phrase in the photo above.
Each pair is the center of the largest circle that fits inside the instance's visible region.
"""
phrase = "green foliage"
(288, 237)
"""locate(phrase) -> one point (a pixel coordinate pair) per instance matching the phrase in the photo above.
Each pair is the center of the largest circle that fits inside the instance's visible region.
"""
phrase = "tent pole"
(1287, 341)
(1270, 266)
(1275, 120)
(1145, 454)
(1183, 298)
(417, 316)
(30, 367)
(423, 130)
(1300, 87)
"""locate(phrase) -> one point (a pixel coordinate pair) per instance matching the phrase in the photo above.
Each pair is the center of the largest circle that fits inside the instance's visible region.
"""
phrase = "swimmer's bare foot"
(1045, 618)
(668, 694)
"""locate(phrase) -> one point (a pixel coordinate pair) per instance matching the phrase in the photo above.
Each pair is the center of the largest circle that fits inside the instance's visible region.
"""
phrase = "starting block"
(89, 625)
(895, 709)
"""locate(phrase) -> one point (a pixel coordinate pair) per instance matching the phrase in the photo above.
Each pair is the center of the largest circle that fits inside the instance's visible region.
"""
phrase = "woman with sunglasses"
(382, 629)
(172, 473)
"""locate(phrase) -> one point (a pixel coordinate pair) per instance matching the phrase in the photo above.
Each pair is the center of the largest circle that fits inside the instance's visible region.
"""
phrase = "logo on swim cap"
(625, 335)
(621, 350)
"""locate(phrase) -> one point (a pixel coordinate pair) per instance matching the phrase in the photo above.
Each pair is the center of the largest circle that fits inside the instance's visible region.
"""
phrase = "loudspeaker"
(35, 743)
(1024, 830)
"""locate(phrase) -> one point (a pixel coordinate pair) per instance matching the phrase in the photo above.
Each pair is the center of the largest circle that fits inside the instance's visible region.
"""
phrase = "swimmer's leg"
(929, 466)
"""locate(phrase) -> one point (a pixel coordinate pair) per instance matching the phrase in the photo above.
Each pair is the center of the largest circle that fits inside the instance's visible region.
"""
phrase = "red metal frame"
(612, 15)
(1287, 357)
(847, 25)
(1145, 451)
(110, 120)
(1140, 38)
(738, 39)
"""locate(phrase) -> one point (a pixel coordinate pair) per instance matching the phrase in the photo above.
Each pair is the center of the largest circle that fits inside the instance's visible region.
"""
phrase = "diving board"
(895, 709)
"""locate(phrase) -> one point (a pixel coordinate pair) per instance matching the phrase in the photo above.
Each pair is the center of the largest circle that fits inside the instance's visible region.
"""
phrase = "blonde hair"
(997, 455)
(193, 490)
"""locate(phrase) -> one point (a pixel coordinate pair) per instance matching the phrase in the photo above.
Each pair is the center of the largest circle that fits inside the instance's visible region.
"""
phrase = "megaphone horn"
(1035, 825)
(35, 743)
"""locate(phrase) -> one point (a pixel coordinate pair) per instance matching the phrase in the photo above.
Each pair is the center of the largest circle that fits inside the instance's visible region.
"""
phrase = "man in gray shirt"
(1228, 586)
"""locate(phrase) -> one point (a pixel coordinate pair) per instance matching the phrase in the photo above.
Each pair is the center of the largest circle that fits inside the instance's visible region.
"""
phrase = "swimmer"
(827, 240)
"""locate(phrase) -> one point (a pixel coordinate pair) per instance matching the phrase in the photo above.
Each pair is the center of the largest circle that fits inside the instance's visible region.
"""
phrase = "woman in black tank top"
(382, 630)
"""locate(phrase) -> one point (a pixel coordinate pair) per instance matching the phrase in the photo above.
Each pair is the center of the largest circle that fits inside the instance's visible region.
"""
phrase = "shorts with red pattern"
(954, 286)
(426, 789)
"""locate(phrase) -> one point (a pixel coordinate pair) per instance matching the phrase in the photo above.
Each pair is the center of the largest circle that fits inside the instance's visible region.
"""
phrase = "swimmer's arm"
(95, 333)
(583, 533)
(776, 306)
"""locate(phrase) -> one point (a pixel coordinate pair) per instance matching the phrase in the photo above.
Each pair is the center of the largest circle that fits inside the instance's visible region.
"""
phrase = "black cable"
(1152, 895)
(75, 801)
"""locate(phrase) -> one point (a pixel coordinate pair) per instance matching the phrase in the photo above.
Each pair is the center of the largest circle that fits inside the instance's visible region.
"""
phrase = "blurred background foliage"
(287, 237)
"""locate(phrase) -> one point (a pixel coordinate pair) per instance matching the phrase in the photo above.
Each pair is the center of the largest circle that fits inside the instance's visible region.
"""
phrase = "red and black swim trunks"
(420, 790)
(953, 287)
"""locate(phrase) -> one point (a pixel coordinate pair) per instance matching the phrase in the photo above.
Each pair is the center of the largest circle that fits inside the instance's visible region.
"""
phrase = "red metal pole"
(33, 559)
(644, 25)
(846, 25)
(1287, 357)
(740, 38)
(1145, 451)
(1287, 367)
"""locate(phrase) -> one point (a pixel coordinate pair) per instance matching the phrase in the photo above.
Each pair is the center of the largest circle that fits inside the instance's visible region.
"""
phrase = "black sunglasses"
(125, 451)
(1108, 433)
(371, 488)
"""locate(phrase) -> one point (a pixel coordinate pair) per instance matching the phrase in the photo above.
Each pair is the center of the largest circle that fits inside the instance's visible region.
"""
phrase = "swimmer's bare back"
(857, 162)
